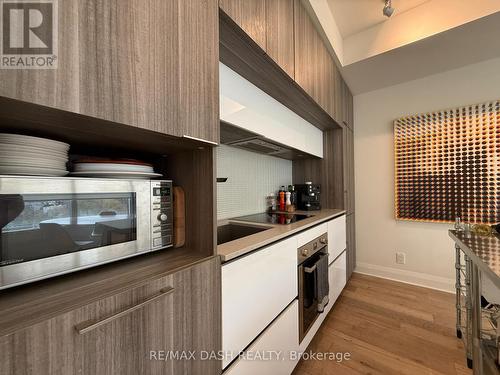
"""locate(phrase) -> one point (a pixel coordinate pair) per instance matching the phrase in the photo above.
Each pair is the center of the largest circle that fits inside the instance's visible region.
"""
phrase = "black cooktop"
(273, 218)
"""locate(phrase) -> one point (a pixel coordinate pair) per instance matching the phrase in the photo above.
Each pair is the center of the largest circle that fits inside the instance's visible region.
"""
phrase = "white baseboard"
(409, 277)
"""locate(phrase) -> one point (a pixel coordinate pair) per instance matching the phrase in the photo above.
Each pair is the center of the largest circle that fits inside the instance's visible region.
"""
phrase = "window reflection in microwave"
(39, 226)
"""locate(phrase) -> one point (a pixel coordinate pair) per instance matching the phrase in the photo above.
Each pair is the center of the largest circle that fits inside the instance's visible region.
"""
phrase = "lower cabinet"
(262, 357)
(255, 289)
(133, 332)
(336, 237)
(337, 278)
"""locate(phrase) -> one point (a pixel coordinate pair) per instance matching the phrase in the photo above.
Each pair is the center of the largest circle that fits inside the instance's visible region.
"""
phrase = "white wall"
(429, 250)
(251, 177)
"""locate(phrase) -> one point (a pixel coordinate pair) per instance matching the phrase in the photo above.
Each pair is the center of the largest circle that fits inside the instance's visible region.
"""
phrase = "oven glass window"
(41, 226)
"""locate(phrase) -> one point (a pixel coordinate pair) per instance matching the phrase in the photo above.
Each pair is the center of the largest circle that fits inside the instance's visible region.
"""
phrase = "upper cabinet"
(280, 34)
(286, 32)
(250, 15)
(270, 24)
(315, 70)
(152, 65)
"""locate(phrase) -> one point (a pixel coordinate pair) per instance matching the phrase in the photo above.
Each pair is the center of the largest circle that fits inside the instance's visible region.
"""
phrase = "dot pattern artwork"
(447, 165)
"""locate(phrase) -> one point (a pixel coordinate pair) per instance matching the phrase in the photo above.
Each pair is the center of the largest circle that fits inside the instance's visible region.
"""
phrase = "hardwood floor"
(388, 328)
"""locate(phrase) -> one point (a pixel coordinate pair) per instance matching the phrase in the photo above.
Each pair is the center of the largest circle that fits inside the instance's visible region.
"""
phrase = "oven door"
(308, 299)
(51, 226)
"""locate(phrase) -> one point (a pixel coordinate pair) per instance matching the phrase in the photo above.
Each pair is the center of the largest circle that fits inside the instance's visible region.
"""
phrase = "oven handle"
(310, 269)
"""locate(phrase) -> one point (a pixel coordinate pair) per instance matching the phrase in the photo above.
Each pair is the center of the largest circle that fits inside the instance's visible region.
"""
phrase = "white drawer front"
(337, 277)
(283, 336)
(255, 289)
(336, 237)
(311, 233)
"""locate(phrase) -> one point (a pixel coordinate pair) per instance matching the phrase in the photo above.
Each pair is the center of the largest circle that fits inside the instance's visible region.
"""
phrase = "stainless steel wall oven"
(313, 282)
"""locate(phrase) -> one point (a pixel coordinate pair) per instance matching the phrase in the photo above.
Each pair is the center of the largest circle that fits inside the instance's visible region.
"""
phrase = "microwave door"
(76, 225)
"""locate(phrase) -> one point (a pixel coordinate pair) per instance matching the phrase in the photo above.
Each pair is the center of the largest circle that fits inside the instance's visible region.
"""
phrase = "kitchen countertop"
(244, 245)
(484, 251)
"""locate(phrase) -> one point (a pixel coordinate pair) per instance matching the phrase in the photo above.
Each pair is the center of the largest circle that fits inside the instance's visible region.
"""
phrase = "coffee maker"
(308, 197)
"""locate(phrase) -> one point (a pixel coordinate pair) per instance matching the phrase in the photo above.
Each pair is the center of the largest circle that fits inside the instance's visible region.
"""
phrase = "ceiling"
(353, 16)
(464, 45)
(422, 38)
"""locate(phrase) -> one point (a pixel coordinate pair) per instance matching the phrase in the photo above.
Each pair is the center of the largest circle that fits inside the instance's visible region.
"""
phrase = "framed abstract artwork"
(447, 165)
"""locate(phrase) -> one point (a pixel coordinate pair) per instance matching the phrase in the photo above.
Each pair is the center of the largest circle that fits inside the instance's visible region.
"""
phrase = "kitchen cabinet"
(280, 34)
(122, 333)
(247, 107)
(255, 289)
(351, 244)
(282, 336)
(348, 169)
(269, 23)
(337, 278)
(152, 65)
(250, 15)
(311, 234)
(315, 70)
(336, 237)
(347, 106)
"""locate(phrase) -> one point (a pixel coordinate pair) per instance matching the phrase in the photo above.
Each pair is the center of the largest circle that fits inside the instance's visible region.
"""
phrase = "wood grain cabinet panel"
(149, 64)
(315, 69)
(119, 333)
(250, 15)
(280, 34)
(348, 158)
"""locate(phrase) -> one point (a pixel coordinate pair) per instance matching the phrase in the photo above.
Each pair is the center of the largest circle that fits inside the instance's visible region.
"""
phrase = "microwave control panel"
(162, 215)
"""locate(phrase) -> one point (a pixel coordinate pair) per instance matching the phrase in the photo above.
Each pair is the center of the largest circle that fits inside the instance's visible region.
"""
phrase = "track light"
(388, 9)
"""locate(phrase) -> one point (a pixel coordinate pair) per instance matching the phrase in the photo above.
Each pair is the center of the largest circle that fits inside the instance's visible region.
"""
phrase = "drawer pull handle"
(87, 327)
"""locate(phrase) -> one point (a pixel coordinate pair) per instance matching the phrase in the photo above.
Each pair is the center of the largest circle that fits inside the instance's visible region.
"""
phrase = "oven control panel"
(309, 249)
(162, 220)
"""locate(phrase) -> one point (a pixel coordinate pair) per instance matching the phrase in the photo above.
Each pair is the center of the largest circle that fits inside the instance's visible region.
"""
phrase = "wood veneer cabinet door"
(339, 109)
(348, 169)
(314, 67)
(151, 64)
(350, 109)
(280, 34)
(116, 335)
(250, 15)
(306, 51)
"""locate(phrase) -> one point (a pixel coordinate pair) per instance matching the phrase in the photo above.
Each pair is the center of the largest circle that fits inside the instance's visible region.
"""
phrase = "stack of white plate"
(26, 155)
(131, 169)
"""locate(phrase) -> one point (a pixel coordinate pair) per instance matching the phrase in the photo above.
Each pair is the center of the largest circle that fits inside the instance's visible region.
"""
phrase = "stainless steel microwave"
(51, 226)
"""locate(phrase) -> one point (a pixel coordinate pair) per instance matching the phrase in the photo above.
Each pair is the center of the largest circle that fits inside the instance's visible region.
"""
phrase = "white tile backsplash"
(250, 178)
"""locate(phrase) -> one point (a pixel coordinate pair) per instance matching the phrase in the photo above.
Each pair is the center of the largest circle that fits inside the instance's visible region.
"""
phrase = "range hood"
(253, 120)
(235, 136)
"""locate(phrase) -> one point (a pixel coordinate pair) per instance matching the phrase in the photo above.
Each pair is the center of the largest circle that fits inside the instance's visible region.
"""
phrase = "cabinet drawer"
(255, 289)
(336, 237)
(117, 334)
(310, 234)
(337, 273)
(283, 336)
